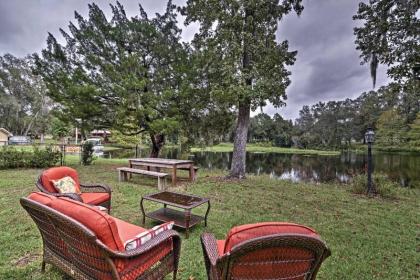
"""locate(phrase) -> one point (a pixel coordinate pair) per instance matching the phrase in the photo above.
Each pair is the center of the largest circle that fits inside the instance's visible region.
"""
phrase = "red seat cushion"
(221, 247)
(102, 224)
(42, 198)
(126, 230)
(95, 198)
(57, 173)
(243, 233)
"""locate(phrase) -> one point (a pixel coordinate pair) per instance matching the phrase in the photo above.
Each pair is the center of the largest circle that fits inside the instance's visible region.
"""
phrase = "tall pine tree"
(121, 73)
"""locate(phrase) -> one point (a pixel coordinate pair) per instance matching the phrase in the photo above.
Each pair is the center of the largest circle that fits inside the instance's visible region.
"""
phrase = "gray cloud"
(24, 25)
(327, 66)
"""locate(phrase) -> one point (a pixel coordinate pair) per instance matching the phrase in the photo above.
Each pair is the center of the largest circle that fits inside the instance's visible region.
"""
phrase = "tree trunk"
(31, 124)
(158, 140)
(237, 169)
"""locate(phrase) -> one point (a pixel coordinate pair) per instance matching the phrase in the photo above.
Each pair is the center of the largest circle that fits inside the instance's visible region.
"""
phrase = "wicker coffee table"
(183, 219)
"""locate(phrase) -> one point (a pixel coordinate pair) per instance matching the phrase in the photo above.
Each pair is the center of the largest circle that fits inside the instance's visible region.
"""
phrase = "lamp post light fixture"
(369, 139)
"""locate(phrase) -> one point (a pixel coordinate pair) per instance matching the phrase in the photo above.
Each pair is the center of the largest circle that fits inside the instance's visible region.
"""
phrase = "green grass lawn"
(228, 147)
(369, 238)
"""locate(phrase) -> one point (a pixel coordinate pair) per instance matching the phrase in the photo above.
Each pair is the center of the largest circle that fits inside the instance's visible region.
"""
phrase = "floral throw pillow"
(145, 236)
(65, 185)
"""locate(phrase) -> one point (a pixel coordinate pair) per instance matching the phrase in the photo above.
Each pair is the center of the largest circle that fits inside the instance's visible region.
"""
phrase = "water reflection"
(403, 168)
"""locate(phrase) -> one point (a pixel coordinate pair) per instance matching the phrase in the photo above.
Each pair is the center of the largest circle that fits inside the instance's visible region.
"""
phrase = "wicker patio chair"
(263, 256)
(95, 194)
(76, 250)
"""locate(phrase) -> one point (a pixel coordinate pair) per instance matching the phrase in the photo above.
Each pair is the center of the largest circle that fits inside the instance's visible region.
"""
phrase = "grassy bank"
(392, 149)
(369, 238)
(228, 147)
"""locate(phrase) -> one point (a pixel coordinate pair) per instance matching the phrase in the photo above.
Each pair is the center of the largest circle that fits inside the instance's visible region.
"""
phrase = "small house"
(4, 136)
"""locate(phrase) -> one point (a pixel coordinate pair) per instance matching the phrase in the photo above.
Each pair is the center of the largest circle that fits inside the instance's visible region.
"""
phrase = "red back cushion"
(102, 224)
(42, 198)
(57, 173)
(243, 233)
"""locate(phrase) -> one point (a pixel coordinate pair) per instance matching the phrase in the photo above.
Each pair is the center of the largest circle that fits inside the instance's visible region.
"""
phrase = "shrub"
(38, 158)
(385, 187)
(12, 158)
(42, 158)
(382, 185)
(87, 153)
(358, 184)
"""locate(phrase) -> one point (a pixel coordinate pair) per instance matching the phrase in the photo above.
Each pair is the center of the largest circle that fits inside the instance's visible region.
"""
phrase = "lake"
(401, 167)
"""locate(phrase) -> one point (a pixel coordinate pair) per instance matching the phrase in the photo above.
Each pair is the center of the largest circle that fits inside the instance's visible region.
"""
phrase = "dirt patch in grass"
(26, 259)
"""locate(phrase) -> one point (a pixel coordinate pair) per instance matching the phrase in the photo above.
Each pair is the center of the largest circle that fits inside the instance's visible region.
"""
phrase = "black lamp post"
(369, 139)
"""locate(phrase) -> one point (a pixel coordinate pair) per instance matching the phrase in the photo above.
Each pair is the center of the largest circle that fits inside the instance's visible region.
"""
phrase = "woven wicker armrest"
(73, 196)
(154, 242)
(42, 189)
(210, 251)
(95, 188)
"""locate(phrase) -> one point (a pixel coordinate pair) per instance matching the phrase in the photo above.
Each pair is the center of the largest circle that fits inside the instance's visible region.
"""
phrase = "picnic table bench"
(173, 164)
(124, 171)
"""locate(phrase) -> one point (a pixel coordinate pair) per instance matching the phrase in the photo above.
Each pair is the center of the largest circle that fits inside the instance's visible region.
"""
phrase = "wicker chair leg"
(43, 266)
(175, 271)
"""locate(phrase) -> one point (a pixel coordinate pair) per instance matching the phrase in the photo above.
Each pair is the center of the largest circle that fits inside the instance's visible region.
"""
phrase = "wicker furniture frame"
(75, 249)
(221, 267)
(88, 188)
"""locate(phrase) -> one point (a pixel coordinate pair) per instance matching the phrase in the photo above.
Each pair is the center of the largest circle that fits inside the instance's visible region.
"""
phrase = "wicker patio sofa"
(265, 251)
(87, 243)
(95, 194)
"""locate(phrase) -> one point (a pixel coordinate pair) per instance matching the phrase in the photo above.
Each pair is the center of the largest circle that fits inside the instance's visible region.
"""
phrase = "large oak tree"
(389, 35)
(246, 62)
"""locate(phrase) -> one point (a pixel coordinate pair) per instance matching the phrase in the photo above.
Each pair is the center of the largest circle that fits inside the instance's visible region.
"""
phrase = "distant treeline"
(392, 114)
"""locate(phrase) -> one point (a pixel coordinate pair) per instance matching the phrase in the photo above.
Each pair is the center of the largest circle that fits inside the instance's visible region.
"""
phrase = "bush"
(385, 187)
(38, 158)
(87, 153)
(12, 158)
(42, 158)
(382, 185)
(359, 184)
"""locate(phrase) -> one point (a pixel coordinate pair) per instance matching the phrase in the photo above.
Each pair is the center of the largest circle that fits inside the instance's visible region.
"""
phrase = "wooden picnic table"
(158, 163)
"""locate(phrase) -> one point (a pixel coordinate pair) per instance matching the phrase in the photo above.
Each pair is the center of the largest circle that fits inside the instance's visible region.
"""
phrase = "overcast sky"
(327, 65)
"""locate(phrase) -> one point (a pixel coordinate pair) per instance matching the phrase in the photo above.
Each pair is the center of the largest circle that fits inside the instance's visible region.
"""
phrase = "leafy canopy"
(389, 35)
(24, 105)
(237, 38)
(122, 73)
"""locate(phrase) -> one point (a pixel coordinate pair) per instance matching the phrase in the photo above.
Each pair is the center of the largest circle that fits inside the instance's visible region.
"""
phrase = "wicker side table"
(183, 219)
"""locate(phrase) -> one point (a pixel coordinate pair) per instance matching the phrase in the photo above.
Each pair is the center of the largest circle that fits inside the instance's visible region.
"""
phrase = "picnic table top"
(161, 160)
